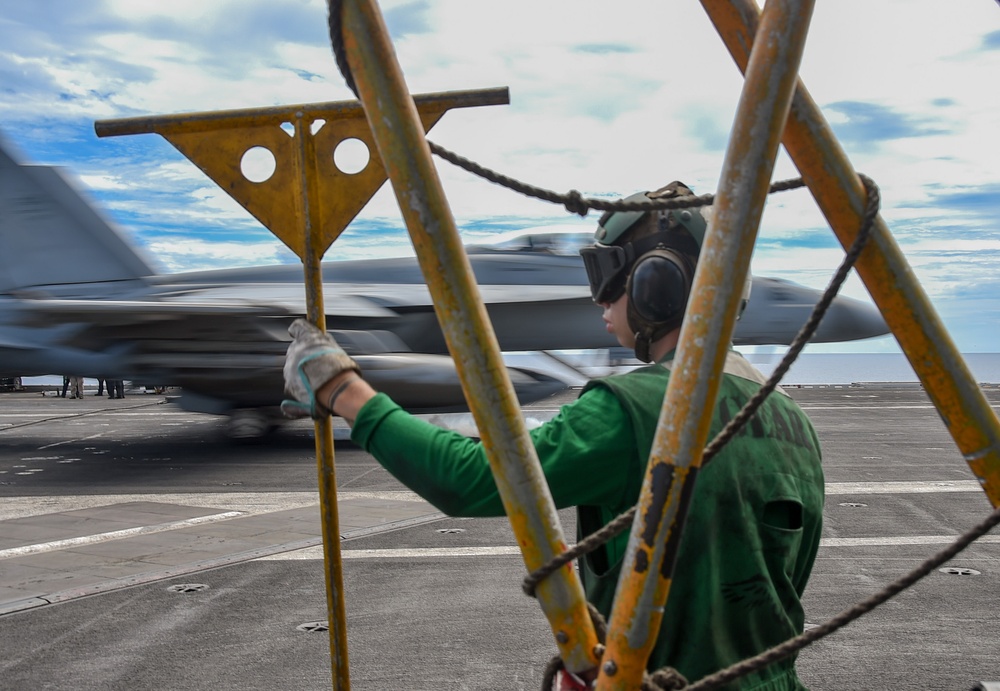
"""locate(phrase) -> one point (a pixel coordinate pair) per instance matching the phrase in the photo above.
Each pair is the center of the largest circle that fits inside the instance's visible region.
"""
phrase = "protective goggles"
(608, 264)
(607, 271)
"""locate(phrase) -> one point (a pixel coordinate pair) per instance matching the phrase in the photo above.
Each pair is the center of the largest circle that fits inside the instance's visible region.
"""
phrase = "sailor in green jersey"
(754, 522)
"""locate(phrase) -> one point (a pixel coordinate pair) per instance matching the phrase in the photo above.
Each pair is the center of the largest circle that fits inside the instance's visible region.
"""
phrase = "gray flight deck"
(105, 505)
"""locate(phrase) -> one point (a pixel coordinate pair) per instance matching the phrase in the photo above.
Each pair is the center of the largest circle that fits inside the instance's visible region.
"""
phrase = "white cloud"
(103, 182)
(194, 255)
(192, 10)
(605, 99)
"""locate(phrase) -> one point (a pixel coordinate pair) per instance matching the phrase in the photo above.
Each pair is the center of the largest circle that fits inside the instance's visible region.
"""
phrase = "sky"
(606, 98)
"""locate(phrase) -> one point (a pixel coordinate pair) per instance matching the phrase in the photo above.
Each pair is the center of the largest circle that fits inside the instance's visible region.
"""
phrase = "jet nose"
(850, 320)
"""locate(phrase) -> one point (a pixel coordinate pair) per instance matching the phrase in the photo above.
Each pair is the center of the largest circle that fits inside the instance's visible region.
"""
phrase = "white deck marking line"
(833, 488)
(403, 553)
(253, 503)
(409, 553)
(267, 502)
(70, 441)
(866, 406)
(919, 406)
(900, 540)
(442, 552)
(113, 535)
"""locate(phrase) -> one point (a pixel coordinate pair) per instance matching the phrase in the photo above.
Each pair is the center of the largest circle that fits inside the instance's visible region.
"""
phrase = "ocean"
(810, 369)
(851, 368)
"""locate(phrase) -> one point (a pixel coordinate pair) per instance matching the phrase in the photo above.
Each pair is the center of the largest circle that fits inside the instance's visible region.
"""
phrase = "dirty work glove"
(313, 359)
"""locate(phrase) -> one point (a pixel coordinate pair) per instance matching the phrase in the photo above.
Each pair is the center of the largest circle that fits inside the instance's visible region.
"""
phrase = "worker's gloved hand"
(313, 359)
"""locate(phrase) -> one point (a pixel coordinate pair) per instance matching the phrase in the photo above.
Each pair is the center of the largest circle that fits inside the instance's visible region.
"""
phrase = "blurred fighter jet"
(75, 297)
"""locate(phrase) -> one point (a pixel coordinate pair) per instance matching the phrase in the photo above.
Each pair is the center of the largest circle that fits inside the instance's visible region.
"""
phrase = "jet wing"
(6, 341)
(418, 295)
(224, 302)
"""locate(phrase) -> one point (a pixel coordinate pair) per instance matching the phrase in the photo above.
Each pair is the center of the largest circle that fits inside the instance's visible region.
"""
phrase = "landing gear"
(247, 424)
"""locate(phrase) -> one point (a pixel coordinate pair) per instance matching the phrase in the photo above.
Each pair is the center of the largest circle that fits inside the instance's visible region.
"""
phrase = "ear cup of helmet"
(658, 288)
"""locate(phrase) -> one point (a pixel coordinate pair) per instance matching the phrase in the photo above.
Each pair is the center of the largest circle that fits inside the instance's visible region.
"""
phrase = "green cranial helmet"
(614, 224)
(624, 236)
(651, 255)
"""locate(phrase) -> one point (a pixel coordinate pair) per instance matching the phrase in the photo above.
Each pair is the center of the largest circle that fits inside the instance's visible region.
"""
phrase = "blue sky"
(605, 98)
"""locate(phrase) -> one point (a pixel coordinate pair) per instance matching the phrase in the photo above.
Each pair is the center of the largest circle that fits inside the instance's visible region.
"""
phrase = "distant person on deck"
(753, 526)
(75, 387)
(116, 388)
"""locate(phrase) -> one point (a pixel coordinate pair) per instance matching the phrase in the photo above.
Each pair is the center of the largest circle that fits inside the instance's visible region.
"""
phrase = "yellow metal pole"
(315, 246)
(882, 266)
(306, 203)
(471, 340)
(689, 404)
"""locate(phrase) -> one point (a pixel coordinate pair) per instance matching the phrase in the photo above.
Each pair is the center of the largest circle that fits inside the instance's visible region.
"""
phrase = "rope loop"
(665, 679)
(576, 204)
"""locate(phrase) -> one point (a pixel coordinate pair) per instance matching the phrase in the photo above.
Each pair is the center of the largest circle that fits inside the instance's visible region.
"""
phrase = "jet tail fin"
(50, 235)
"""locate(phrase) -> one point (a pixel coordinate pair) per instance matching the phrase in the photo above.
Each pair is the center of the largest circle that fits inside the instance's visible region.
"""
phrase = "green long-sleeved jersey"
(753, 525)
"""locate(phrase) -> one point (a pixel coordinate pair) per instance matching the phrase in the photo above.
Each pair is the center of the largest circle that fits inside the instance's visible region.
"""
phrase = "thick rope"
(335, 9)
(573, 200)
(666, 679)
(576, 203)
(584, 546)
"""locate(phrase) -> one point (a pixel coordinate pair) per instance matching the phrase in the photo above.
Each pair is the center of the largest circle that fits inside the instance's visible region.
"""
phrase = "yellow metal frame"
(308, 202)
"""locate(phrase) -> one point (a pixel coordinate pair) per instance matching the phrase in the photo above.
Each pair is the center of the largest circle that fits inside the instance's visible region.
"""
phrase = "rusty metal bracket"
(217, 142)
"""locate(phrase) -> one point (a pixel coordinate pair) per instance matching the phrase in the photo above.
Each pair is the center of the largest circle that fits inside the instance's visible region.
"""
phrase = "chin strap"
(642, 344)
(647, 335)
